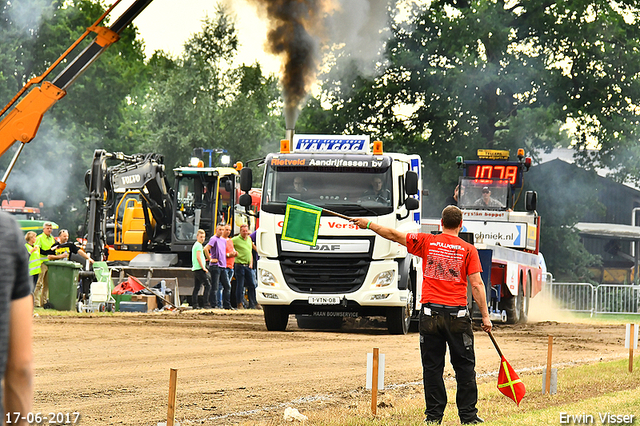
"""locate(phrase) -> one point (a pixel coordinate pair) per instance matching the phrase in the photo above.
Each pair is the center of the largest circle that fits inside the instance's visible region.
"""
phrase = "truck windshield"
(344, 190)
(483, 194)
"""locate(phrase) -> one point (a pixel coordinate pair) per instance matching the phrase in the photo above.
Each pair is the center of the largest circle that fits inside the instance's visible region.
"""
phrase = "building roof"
(568, 156)
(609, 230)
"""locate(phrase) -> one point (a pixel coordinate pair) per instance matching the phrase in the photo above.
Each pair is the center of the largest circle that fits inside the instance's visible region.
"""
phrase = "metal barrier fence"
(617, 299)
(575, 297)
(601, 299)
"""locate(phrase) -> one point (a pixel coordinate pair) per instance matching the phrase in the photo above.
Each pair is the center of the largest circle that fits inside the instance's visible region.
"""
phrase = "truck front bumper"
(273, 290)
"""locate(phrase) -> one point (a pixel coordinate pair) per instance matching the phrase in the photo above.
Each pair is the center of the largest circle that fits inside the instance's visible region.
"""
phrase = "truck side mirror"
(228, 186)
(530, 201)
(245, 200)
(246, 179)
(411, 203)
(411, 183)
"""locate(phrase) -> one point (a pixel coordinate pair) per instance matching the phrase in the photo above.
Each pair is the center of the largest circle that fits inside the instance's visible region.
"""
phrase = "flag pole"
(495, 344)
(338, 214)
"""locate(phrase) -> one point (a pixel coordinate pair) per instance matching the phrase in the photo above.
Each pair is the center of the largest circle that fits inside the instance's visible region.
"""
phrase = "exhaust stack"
(288, 134)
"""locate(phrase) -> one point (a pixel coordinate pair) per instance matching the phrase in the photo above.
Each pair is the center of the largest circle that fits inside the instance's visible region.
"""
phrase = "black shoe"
(473, 421)
(207, 307)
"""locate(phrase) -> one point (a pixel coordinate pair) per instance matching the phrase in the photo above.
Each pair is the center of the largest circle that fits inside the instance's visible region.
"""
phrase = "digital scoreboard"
(511, 171)
(483, 169)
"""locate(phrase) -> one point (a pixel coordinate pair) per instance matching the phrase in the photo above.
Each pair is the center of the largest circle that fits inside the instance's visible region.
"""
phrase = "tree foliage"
(464, 75)
(200, 100)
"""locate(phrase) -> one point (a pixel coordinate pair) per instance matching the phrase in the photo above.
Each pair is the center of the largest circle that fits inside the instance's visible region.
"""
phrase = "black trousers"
(200, 279)
(443, 327)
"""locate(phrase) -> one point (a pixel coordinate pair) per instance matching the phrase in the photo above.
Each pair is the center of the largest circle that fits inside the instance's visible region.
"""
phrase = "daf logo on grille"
(326, 247)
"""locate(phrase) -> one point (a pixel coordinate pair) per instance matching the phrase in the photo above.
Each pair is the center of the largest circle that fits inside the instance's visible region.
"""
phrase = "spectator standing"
(16, 312)
(217, 250)
(448, 262)
(64, 249)
(231, 254)
(45, 241)
(254, 257)
(243, 265)
(35, 262)
(199, 268)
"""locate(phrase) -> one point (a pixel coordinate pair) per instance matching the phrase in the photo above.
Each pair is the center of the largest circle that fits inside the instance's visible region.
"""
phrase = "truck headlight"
(384, 279)
(267, 278)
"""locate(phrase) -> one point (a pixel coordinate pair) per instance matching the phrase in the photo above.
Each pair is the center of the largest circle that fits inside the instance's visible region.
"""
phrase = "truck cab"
(508, 241)
(350, 272)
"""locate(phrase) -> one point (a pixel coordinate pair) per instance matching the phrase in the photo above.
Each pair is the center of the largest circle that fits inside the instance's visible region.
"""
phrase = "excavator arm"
(144, 173)
(21, 123)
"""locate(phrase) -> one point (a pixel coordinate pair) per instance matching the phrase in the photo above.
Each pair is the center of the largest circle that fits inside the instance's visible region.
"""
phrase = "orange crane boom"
(22, 122)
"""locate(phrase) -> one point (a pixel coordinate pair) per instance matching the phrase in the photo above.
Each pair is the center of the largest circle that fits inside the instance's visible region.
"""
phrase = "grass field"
(594, 390)
(588, 392)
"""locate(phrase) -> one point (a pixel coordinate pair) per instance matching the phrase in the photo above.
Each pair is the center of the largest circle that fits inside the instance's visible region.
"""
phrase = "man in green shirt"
(45, 241)
(242, 268)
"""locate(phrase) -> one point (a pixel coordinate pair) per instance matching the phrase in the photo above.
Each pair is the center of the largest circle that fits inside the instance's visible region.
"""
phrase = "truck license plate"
(320, 300)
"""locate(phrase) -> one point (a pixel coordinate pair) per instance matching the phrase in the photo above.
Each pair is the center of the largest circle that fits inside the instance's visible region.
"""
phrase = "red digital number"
(500, 172)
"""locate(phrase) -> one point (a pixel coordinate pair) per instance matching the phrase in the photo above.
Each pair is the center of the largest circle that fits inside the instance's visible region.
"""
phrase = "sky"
(167, 24)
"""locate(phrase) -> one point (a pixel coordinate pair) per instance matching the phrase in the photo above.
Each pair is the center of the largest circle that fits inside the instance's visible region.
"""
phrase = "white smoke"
(27, 15)
(360, 29)
(44, 170)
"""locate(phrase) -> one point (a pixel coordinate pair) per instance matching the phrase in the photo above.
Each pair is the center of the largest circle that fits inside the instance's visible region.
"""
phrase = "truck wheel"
(275, 317)
(513, 307)
(399, 318)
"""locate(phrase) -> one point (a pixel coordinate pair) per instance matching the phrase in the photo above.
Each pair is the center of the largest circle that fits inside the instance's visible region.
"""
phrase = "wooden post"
(631, 344)
(374, 382)
(548, 377)
(171, 412)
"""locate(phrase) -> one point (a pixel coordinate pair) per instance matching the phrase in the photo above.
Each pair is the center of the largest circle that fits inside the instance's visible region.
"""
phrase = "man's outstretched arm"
(383, 231)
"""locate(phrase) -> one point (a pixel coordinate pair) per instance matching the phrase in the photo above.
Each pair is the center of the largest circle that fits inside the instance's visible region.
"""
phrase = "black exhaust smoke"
(297, 28)
(294, 29)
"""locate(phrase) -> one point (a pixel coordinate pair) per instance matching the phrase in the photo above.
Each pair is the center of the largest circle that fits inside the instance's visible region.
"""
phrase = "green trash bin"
(63, 284)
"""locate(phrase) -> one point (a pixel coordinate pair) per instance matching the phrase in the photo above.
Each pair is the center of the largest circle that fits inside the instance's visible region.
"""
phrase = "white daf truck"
(350, 272)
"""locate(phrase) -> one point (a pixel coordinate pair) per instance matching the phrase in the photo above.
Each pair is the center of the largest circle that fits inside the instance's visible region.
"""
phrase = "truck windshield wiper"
(347, 207)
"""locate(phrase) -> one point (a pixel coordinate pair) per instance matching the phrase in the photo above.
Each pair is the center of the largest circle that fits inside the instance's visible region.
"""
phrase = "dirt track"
(115, 369)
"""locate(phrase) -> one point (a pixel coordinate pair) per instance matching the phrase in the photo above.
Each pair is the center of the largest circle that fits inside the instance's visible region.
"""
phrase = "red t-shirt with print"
(446, 262)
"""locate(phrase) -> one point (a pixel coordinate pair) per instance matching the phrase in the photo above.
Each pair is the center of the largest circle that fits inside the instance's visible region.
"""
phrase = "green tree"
(464, 75)
(200, 100)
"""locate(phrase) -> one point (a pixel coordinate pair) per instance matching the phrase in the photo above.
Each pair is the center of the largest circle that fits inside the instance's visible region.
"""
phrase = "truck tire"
(512, 306)
(399, 318)
(275, 317)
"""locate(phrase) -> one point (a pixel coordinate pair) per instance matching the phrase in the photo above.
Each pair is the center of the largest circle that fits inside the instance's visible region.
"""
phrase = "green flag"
(301, 222)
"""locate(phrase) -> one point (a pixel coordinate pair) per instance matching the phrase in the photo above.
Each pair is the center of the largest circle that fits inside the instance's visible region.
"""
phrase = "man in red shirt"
(448, 262)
